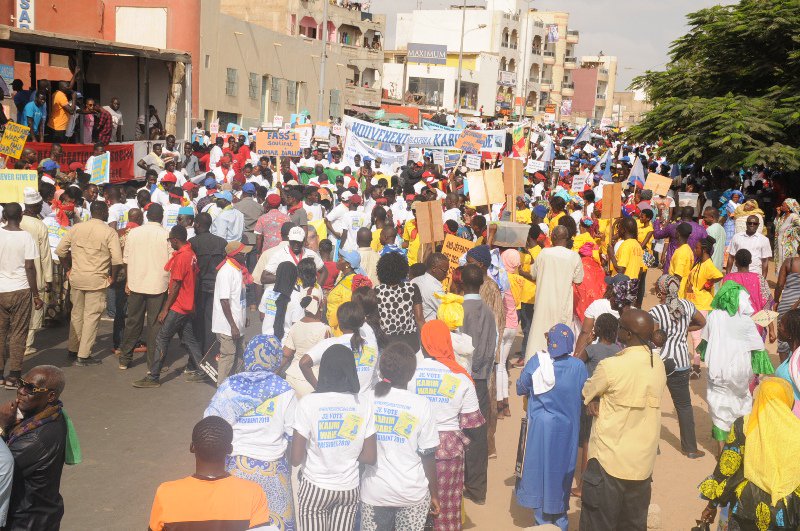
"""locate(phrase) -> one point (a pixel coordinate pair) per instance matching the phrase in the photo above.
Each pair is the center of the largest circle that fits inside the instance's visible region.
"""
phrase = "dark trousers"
(141, 308)
(678, 385)
(55, 136)
(640, 289)
(476, 457)
(183, 325)
(525, 319)
(251, 259)
(611, 504)
(203, 310)
(120, 309)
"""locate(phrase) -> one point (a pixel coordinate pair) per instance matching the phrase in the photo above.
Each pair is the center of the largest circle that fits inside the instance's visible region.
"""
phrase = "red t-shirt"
(183, 266)
(333, 272)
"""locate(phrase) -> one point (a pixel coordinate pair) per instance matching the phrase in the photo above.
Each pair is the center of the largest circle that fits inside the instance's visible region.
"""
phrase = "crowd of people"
(380, 368)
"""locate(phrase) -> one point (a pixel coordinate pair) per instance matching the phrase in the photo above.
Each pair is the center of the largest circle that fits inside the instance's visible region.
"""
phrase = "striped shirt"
(676, 348)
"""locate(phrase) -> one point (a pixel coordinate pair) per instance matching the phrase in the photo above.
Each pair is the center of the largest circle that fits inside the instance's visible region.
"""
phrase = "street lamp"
(461, 53)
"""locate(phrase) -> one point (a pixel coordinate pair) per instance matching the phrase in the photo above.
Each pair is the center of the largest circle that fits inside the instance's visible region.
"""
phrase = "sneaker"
(195, 376)
(124, 366)
(146, 383)
(141, 347)
(87, 362)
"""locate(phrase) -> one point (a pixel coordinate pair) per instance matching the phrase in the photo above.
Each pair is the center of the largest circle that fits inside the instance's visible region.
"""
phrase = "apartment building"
(595, 83)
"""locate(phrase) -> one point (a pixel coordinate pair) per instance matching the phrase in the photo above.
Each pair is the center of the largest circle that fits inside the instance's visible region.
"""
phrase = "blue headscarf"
(726, 196)
(560, 340)
(244, 392)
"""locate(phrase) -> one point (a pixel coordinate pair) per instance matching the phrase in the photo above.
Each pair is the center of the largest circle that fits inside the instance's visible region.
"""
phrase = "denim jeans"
(183, 325)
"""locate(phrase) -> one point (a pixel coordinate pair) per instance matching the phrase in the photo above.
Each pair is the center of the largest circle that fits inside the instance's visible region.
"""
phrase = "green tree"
(730, 95)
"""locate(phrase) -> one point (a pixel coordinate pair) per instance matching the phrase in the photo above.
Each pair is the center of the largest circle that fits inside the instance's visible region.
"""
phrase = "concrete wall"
(583, 102)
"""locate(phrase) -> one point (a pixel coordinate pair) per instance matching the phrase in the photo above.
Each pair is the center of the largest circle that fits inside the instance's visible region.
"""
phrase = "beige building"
(558, 59)
(629, 108)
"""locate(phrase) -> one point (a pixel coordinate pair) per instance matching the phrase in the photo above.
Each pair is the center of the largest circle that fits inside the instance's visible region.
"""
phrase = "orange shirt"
(59, 118)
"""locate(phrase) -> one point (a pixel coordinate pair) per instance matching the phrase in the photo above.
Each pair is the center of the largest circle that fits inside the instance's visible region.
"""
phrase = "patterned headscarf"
(244, 392)
(626, 292)
(670, 285)
(792, 205)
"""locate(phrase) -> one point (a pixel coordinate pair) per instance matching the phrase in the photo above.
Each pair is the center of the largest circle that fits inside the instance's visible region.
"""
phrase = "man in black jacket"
(38, 443)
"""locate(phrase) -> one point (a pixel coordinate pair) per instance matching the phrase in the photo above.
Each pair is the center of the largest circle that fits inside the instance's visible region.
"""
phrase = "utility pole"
(461, 56)
(525, 68)
(321, 101)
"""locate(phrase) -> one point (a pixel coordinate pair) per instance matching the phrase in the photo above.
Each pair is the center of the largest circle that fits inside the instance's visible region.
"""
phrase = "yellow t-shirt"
(553, 222)
(580, 240)
(522, 289)
(643, 232)
(524, 216)
(681, 265)
(413, 244)
(59, 118)
(604, 230)
(702, 273)
(376, 241)
(629, 255)
(526, 259)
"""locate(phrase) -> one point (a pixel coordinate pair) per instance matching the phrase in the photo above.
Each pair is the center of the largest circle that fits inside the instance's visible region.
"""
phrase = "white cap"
(31, 196)
(47, 179)
(346, 196)
(297, 234)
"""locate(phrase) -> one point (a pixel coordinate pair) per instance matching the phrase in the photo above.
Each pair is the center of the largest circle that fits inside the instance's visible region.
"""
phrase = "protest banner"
(277, 121)
(561, 165)
(454, 248)
(485, 187)
(14, 182)
(473, 162)
(612, 201)
(100, 169)
(512, 176)
(14, 140)
(355, 146)
(121, 168)
(213, 128)
(658, 184)
(280, 143)
(534, 166)
(433, 126)
(469, 141)
(430, 226)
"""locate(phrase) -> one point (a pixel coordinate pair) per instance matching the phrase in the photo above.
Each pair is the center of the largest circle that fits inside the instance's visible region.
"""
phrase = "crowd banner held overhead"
(454, 248)
(14, 139)
(355, 146)
(427, 124)
(561, 165)
(612, 201)
(14, 182)
(493, 141)
(513, 176)
(438, 157)
(474, 162)
(278, 144)
(534, 166)
(486, 187)
(100, 169)
(469, 141)
(121, 168)
(430, 226)
(658, 184)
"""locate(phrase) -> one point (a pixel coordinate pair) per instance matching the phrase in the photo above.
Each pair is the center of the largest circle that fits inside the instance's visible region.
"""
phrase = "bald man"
(624, 393)
(369, 257)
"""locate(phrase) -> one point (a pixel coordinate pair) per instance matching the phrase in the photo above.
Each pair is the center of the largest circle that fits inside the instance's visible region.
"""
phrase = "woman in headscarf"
(787, 294)
(399, 301)
(334, 433)
(755, 284)
(700, 290)
(734, 352)
(451, 392)
(260, 406)
(552, 381)
(301, 337)
(744, 211)
(618, 297)
(758, 473)
(789, 369)
(451, 312)
(274, 305)
(730, 199)
(349, 266)
(677, 317)
(787, 231)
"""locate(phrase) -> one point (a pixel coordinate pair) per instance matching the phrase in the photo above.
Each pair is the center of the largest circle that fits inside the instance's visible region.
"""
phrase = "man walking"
(87, 252)
(210, 252)
(146, 253)
(227, 320)
(18, 287)
(44, 263)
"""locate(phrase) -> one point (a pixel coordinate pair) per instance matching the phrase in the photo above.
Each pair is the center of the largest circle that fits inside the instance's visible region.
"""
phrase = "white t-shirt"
(263, 432)
(354, 220)
(337, 217)
(170, 215)
(366, 359)
(315, 211)
(405, 425)
(449, 394)
(598, 308)
(16, 246)
(452, 213)
(54, 234)
(116, 121)
(269, 307)
(283, 254)
(213, 157)
(228, 285)
(160, 196)
(116, 212)
(757, 244)
(180, 178)
(335, 426)
(223, 176)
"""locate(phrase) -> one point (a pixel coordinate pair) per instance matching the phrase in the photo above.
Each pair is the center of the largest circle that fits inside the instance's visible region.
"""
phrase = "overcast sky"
(638, 32)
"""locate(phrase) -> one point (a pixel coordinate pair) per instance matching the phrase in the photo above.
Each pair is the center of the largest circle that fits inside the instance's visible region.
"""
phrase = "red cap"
(355, 200)
(427, 174)
(189, 186)
(410, 197)
(274, 200)
(74, 166)
(169, 178)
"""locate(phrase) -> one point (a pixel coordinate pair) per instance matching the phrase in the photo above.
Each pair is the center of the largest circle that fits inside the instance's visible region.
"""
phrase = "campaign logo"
(338, 429)
(393, 425)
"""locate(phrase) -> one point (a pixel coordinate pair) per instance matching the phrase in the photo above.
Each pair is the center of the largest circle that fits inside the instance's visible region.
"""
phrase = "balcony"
(602, 75)
(600, 98)
(573, 36)
(538, 24)
(533, 84)
(548, 57)
(570, 62)
(536, 52)
(568, 89)
(546, 85)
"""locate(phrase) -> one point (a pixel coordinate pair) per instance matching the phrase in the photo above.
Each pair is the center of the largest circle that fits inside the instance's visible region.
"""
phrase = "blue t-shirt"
(35, 112)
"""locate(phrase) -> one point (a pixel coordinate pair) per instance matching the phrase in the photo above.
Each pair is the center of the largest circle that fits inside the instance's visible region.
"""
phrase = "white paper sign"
(438, 158)
(588, 148)
(322, 132)
(214, 127)
(534, 138)
(277, 121)
(337, 130)
(473, 161)
(305, 134)
(534, 166)
(687, 199)
(578, 183)
(415, 154)
(560, 165)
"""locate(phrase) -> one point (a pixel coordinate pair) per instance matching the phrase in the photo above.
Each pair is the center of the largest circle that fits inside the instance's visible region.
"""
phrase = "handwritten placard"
(14, 182)
(658, 184)
(101, 165)
(279, 143)
(561, 165)
(534, 166)
(469, 141)
(14, 139)
(473, 161)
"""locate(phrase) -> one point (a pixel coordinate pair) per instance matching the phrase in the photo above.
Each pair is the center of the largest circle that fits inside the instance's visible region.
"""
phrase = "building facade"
(629, 108)
(595, 82)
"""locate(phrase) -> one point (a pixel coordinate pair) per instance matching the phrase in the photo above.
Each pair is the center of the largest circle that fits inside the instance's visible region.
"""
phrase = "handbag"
(649, 259)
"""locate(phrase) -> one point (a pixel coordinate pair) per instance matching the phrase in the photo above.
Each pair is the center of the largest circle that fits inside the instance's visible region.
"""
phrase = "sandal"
(11, 382)
(695, 374)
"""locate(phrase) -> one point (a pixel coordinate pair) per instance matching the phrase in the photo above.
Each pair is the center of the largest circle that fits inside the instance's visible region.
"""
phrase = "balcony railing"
(601, 97)
(604, 71)
(569, 85)
(575, 33)
(547, 53)
(570, 59)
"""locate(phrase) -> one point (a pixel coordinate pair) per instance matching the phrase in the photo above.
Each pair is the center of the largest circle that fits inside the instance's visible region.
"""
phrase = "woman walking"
(700, 291)
(787, 294)
(789, 370)
(334, 432)
(260, 406)
(301, 337)
(756, 286)
(787, 231)
(399, 301)
(278, 314)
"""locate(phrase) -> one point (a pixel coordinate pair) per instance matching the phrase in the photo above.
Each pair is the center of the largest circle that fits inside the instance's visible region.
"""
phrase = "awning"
(18, 38)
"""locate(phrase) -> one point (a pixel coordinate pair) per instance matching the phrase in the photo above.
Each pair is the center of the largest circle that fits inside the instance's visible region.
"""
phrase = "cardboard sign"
(277, 121)
(278, 144)
(454, 248)
(486, 187)
(588, 148)
(214, 127)
(322, 132)
(534, 166)
(337, 130)
(512, 176)
(14, 182)
(430, 226)
(469, 141)
(764, 317)
(688, 199)
(14, 140)
(612, 201)
(658, 184)
(561, 165)
(579, 183)
(473, 162)
(101, 166)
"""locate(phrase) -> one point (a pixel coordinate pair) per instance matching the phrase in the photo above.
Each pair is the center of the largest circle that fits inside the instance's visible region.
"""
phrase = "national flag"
(584, 135)
(636, 177)
(607, 170)
(519, 144)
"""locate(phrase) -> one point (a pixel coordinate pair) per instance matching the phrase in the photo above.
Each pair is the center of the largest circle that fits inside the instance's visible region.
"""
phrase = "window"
(252, 86)
(335, 108)
(276, 90)
(431, 89)
(208, 61)
(291, 92)
(469, 95)
(24, 56)
(231, 82)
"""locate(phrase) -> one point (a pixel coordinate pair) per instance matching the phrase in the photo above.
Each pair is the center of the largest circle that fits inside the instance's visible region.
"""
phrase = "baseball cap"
(210, 183)
(274, 200)
(249, 188)
(224, 195)
(346, 196)
(169, 177)
(189, 186)
(297, 234)
(355, 200)
(186, 211)
(50, 165)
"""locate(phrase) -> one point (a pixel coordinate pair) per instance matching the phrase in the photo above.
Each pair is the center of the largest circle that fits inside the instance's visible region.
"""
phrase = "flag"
(675, 170)
(607, 170)
(598, 168)
(584, 135)
(636, 177)
(519, 142)
(549, 149)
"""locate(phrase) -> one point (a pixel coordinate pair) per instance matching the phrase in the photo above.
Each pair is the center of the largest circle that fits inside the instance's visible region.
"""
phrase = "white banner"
(355, 146)
(473, 162)
(438, 157)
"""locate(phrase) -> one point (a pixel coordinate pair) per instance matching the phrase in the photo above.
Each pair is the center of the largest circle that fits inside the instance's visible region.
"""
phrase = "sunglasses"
(31, 388)
(750, 223)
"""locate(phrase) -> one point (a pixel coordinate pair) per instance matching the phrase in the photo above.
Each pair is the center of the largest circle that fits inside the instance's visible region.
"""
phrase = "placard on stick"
(430, 226)
(14, 139)
(454, 248)
(14, 182)
(486, 187)
(469, 141)
(658, 184)
(512, 176)
(612, 201)
(473, 161)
